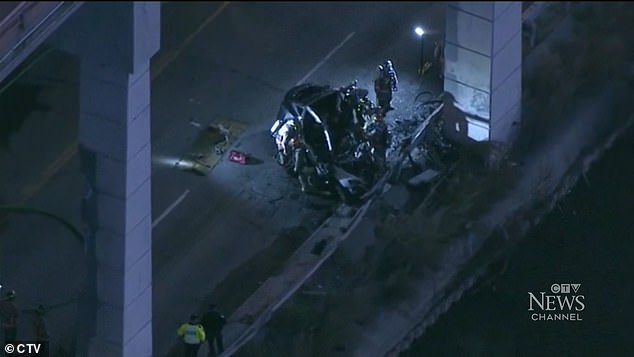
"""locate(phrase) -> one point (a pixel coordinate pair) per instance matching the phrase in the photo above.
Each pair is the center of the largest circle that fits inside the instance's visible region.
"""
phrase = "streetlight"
(420, 33)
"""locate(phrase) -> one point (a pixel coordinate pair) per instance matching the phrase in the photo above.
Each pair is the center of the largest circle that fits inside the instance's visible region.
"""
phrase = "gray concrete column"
(483, 65)
(115, 42)
(115, 133)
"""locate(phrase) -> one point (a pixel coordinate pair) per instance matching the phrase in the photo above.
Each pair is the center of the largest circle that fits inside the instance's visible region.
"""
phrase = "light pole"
(421, 35)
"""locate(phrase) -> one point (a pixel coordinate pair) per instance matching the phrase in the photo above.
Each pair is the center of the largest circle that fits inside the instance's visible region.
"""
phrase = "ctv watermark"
(24, 349)
(564, 304)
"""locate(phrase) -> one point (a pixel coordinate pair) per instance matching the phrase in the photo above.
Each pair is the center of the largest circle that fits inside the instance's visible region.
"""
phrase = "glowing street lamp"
(420, 33)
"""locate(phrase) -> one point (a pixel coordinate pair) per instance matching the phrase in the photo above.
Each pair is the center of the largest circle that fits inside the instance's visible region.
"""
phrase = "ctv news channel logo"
(26, 349)
(563, 303)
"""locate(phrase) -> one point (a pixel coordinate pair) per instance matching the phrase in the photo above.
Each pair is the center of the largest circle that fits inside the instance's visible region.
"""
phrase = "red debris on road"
(238, 157)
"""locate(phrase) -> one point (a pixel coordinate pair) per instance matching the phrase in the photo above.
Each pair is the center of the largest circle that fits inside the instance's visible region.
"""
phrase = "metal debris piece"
(426, 176)
(238, 157)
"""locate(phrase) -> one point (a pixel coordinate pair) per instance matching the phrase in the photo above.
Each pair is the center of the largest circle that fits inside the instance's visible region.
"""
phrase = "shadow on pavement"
(16, 104)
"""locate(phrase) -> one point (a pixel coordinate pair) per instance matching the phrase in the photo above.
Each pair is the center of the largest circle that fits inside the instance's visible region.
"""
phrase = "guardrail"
(259, 308)
(403, 154)
(26, 27)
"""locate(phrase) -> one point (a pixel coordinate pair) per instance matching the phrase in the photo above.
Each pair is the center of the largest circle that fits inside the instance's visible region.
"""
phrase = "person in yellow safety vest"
(193, 336)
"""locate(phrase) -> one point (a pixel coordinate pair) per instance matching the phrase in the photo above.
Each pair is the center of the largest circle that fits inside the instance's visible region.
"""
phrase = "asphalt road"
(217, 61)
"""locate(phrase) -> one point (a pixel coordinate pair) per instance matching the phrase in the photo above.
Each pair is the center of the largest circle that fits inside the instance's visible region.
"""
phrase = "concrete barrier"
(259, 308)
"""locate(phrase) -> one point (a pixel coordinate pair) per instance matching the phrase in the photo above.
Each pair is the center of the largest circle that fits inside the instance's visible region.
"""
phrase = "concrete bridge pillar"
(483, 65)
(115, 42)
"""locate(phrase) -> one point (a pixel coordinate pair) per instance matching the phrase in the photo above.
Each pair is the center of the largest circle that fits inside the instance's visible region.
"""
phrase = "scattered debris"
(424, 177)
(212, 141)
(238, 157)
(332, 139)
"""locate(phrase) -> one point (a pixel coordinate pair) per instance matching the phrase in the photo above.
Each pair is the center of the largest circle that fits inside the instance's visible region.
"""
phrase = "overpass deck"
(25, 25)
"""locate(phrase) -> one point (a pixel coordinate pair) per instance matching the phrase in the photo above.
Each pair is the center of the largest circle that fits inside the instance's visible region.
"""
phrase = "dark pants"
(215, 344)
(9, 337)
(191, 350)
(384, 101)
(9, 334)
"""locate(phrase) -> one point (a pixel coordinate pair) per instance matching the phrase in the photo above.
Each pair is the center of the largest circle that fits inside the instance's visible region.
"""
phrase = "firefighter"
(287, 132)
(384, 85)
(383, 91)
(391, 73)
(193, 335)
(285, 140)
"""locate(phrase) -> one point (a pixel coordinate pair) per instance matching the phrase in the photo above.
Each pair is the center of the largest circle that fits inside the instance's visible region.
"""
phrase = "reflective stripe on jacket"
(192, 334)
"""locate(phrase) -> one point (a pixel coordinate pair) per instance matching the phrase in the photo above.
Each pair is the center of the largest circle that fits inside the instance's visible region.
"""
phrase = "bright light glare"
(165, 161)
(419, 31)
(184, 164)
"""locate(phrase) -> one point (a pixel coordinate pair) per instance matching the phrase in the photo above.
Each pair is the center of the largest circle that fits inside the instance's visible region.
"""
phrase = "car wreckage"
(333, 140)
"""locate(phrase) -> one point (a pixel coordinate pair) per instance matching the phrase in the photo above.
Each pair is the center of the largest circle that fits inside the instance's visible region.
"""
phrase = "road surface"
(217, 61)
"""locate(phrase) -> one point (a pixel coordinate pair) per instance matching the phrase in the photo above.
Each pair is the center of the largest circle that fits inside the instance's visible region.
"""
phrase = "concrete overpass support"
(115, 42)
(483, 65)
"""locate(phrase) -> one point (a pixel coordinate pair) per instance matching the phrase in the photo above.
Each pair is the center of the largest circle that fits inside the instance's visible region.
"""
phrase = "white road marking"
(180, 199)
(326, 58)
(169, 209)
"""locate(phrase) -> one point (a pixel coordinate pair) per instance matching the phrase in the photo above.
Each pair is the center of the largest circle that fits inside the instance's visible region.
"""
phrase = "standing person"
(213, 322)
(39, 327)
(390, 71)
(193, 336)
(9, 314)
(383, 90)
(39, 324)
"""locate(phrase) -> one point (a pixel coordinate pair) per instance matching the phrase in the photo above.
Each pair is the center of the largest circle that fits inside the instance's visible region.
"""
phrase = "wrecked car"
(331, 139)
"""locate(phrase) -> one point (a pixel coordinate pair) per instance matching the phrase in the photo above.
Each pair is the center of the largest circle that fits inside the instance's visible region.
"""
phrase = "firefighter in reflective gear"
(383, 90)
(193, 336)
(287, 132)
(390, 72)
